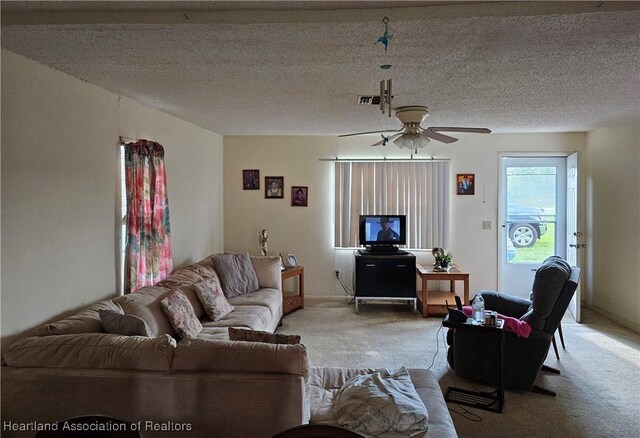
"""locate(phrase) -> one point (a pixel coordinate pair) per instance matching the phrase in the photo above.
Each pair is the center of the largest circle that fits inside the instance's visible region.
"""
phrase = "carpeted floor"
(598, 391)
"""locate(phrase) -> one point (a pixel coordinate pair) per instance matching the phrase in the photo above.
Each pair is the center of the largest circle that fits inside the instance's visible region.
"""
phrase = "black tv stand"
(385, 277)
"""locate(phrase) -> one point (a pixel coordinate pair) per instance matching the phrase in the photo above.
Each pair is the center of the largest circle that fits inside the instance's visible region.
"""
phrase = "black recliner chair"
(475, 354)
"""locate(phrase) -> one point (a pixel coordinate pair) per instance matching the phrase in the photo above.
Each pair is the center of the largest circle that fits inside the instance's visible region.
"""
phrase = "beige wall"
(59, 189)
(613, 222)
(308, 232)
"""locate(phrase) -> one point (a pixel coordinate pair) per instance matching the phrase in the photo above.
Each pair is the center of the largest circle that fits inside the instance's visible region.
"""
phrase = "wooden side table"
(433, 303)
(293, 302)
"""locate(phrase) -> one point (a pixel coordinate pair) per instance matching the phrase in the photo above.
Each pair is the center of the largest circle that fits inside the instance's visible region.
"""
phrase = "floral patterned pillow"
(236, 334)
(213, 300)
(181, 314)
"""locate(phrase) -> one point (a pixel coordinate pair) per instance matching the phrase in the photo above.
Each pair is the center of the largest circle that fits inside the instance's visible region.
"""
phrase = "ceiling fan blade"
(437, 136)
(457, 129)
(370, 132)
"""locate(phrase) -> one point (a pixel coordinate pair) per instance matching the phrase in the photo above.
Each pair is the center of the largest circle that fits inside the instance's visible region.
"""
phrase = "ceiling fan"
(412, 135)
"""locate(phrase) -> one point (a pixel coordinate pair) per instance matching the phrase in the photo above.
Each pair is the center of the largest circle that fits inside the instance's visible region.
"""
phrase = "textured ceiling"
(299, 75)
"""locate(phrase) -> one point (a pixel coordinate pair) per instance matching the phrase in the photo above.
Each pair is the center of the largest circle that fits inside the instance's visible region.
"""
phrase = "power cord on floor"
(433, 359)
(347, 291)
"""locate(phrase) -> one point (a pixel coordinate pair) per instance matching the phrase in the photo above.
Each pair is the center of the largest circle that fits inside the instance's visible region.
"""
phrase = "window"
(122, 217)
(420, 190)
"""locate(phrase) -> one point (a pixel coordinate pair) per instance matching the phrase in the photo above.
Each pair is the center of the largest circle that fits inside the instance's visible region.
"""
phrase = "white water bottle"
(478, 309)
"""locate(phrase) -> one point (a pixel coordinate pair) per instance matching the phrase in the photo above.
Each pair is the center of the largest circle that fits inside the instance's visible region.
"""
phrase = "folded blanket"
(382, 404)
(522, 329)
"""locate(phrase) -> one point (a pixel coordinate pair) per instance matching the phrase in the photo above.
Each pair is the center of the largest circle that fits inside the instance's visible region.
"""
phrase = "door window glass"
(531, 213)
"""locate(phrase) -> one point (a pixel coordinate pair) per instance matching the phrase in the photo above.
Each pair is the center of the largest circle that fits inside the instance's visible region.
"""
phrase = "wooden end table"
(293, 302)
(433, 303)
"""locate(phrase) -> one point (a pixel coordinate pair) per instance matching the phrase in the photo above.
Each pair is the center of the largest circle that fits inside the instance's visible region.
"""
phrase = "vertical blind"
(419, 190)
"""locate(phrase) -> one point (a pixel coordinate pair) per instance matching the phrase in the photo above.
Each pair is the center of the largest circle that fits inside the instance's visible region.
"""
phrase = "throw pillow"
(213, 300)
(236, 274)
(236, 334)
(382, 404)
(118, 323)
(180, 312)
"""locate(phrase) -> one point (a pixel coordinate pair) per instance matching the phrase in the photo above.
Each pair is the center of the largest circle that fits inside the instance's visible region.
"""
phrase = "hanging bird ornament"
(384, 39)
(385, 140)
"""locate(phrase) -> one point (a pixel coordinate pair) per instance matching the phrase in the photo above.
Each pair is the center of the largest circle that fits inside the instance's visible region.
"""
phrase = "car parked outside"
(526, 224)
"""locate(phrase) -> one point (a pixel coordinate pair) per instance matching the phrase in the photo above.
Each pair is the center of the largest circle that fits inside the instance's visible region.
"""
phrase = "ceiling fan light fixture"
(411, 141)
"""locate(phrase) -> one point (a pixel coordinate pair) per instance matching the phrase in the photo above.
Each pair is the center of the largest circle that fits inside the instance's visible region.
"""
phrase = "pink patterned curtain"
(148, 258)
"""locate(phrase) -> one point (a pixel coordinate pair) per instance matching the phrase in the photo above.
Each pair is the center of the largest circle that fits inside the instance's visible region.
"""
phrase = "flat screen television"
(380, 230)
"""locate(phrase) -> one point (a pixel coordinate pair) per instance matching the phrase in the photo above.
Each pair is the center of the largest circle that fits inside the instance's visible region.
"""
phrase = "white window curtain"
(420, 190)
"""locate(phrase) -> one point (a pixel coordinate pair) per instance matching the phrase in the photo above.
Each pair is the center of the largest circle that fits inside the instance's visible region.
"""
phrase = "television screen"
(383, 229)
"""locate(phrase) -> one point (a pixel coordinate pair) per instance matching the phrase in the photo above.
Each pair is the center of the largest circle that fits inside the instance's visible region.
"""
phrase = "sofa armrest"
(268, 271)
(195, 354)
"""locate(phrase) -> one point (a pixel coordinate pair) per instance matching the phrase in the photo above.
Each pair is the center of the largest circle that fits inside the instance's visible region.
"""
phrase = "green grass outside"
(543, 248)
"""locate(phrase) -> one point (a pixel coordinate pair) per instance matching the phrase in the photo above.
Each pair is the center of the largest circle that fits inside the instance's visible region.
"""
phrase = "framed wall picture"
(299, 196)
(251, 179)
(273, 187)
(466, 183)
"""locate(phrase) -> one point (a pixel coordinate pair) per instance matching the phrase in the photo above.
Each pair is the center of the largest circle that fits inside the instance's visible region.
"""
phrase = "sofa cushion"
(185, 275)
(205, 268)
(145, 303)
(251, 317)
(196, 354)
(185, 279)
(219, 333)
(191, 292)
(85, 321)
(269, 298)
(180, 312)
(268, 271)
(92, 350)
(236, 273)
(118, 323)
(212, 298)
(237, 334)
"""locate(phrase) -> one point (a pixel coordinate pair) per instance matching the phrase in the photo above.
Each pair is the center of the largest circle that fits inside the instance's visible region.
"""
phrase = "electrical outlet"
(337, 273)
(486, 225)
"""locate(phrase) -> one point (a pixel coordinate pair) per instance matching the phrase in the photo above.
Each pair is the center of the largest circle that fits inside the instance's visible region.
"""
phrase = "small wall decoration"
(273, 187)
(299, 196)
(251, 179)
(466, 183)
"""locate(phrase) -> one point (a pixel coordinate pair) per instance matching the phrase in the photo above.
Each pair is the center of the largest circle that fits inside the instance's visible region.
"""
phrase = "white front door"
(574, 234)
(532, 211)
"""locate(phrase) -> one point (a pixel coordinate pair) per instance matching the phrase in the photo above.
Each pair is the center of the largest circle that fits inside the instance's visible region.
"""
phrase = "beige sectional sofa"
(204, 386)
